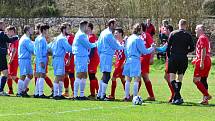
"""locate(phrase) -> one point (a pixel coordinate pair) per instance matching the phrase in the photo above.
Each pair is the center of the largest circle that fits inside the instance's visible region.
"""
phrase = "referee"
(4, 39)
(180, 43)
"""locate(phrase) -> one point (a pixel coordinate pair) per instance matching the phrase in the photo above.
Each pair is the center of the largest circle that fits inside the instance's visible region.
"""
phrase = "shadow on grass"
(184, 104)
(119, 100)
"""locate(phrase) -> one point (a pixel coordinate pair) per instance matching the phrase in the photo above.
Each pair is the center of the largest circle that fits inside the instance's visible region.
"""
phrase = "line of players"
(71, 53)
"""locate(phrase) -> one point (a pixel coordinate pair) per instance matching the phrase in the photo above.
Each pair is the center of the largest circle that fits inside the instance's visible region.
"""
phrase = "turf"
(23, 109)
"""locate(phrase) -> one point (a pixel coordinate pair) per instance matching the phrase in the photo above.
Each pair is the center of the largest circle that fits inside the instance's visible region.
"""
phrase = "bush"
(209, 7)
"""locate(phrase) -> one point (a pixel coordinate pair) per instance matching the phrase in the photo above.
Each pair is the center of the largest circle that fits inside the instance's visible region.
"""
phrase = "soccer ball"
(137, 100)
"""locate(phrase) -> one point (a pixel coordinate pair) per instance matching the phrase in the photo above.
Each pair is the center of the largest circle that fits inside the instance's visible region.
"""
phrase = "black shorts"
(3, 62)
(177, 64)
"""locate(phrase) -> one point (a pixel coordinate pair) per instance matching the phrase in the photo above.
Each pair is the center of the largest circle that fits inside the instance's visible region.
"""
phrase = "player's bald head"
(201, 27)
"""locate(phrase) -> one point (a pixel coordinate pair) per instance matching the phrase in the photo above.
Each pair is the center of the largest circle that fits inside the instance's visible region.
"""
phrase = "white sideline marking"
(69, 111)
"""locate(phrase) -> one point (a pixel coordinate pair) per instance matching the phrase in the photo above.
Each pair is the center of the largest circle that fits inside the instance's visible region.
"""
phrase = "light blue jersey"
(59, 47)
(107, 45)
(40, 51)
(162, 49)
(80, 48)
(134, 48)
(25, 51)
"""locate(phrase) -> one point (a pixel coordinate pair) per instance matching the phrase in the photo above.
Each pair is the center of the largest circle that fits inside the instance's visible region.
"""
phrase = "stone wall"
(99, 24)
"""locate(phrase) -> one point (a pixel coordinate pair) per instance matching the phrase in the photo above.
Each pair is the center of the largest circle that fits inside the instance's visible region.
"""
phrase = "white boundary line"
(68, 111)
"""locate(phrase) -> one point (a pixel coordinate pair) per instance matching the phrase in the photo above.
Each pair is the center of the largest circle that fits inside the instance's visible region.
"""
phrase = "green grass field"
(24, 109)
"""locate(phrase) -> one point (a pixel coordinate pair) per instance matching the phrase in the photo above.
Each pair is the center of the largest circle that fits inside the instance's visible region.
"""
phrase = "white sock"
(20, 86)
(100, 88)
(60, 88)
(36, 91)
(135, 90)
(41, 86)
(76, 86)
(82, 87)
(26, 83)
(56, 89)
(127, 89)
(104, 87)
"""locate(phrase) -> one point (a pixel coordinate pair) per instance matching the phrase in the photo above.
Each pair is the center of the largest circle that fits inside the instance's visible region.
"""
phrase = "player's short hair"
(67, 23)
(170, 28)
(111, 21)
(182, 22)
(38, 25)
(136, 28)
(120, 30)
(165, 22)
(202, 27)
(26, 28)
(83, 23)
(63, 26)
(143, 27)
(11, 28)
(44, 27)
(90, 25)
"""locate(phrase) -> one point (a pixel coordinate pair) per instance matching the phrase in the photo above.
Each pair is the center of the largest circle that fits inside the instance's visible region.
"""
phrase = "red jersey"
(13, 46)
(150, 29)
(203, 42)
(94, 59)
(148, 42)
(120, 57)
(95, 56)
(71, 66)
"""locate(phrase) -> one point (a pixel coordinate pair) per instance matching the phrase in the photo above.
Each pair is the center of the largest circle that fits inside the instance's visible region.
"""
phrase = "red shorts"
(13, 67)
(207, 66)
(145, 64)
(92, 66)
(118, 72)
(70, 68)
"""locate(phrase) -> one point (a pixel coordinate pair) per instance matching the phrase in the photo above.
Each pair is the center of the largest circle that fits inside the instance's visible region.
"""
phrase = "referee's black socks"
(177, 87)
(3, 82)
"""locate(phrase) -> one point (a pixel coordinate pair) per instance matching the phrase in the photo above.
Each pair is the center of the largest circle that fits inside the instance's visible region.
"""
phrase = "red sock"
(35, 80)
(92, 88)
(148, 85)
(171, 89)
(113, 88)
(139, 86)
(10, 83)
(201, 88)
(16, 80)
(123, 83)
(66, 82)
(49, 82)
(72, 80)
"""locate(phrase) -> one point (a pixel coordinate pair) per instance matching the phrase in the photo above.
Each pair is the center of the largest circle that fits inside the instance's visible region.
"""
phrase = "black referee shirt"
(180, 42)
